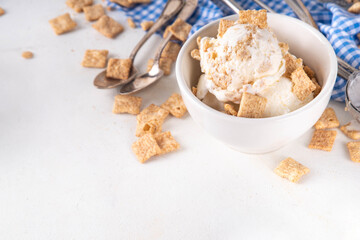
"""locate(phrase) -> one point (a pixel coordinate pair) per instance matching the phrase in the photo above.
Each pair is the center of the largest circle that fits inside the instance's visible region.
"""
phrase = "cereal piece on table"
(195, 54)
(119, 68)
(291, 64)
(254, 17)
(251, 106)
(146, 147)
(2, 11)
(171, 51)
(150, 120)
(27, 55)
(127, 104)
(123, 3)
(323, 140)
(146, 25)
(131, 23)
(95, 58)
(175, 105)
(164, 64)
(355, 8)
(194, 90)
(94, 12)
(223, 26)
(62, 24)
(354, 151)
(302, 84)
(166, 142)
(230, 109)
(309, 72)
(180, 29)
(318, 87)
(78, 5)
(352, 129)
(108, 26)
(284, 48)
(291, 170)
(327, 120)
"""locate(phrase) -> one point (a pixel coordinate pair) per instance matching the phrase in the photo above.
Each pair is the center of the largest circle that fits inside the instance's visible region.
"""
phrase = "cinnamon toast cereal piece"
(131, 23)
(291, 170)
(146, 147)
(95, 58)
(291, 64)
(62, 24)
(127, 104)
(164, 64)
(171, 51)
(251, 106)
(223, 26)
(198, 40)
(318, 87)
(175, 105)
(146, 25)
(327, 120)
(94, 12)
(351, 129)
(230, 109)
(119, 68)
(254, 17)
(167, 31)
(323, 140)
(180, 29)
(195, 54)
(355, 8)
(284, 48)
(302, 84)
(309, 72)
(2, 11)
(108, 26)
(194, 90)
(123, 3)
(166, 142)
(78, 5)
(354, 151)
(27, 55)
(150, 120)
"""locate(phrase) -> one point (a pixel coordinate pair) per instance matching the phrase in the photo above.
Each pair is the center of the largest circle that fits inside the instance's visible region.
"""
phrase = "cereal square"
(146, 25)
(127, 104)
(95, 58)
(291, 64)
(352, 129)
(323, 140)
(355, 8)
(195, 54)
(284, 48)
(164, 64)
(108, 26)
(291, 170)
(27, 55)
(123, 3)
(309, 72)
(2, 11)
(62, 24)
(166, 142)
(318, 87)
(167, 31)
(194, 90)
(230, 109)
(180, 29)
(78, 5)
(354, 150)
(146, 147)
(131, 23)
(175, 105)
(302, 84)
(254, 17)
(171, 51)
(119, 68)
(327, 120)
(150, 120)
(251, 106)
(94, 12)
(223, 26)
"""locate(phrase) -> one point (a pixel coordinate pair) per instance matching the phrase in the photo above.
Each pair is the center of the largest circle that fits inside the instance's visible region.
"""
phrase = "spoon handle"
(171, 8)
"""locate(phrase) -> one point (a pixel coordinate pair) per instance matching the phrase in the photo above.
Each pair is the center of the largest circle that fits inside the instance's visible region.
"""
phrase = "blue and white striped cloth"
(339, 26)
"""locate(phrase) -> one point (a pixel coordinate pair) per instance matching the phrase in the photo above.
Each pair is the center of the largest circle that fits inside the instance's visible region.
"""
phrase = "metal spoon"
(171, 8)
(156, 73)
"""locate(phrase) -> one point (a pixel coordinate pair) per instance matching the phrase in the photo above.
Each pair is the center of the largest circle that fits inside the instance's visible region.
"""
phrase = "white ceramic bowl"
(264, 134)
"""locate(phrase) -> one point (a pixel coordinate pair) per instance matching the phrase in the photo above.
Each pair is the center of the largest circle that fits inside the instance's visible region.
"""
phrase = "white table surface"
(67, 170)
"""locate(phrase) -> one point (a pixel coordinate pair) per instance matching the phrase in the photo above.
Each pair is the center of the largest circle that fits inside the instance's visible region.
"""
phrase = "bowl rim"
(323, 94)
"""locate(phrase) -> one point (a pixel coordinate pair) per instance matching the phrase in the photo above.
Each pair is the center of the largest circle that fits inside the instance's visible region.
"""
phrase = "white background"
(67, 170)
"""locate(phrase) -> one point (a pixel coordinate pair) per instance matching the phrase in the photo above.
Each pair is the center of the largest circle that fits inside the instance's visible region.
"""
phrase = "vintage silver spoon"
(156, 73)
(171, 8)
